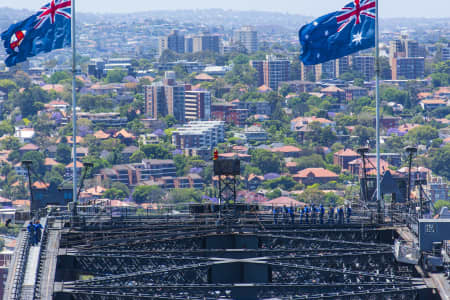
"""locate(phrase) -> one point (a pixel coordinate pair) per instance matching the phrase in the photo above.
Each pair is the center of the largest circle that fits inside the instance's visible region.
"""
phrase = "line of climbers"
(35, 229)
(309, 215)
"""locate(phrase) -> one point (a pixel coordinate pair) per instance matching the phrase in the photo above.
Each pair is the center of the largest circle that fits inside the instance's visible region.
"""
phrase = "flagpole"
(377, 94)
(74, 109)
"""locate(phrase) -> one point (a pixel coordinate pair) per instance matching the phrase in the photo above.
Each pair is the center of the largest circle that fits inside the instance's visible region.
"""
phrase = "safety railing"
(19, 272)
(41, 260)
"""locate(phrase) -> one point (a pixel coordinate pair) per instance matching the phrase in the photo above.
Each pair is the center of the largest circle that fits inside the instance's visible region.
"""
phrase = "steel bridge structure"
(218, 256)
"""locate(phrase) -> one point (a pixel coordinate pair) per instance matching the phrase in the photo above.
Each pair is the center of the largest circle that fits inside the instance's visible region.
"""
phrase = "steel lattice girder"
(152, 260)
(261, 291)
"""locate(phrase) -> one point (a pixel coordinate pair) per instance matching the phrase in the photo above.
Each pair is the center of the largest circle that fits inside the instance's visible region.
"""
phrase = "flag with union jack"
(46, 30)
(339, 33)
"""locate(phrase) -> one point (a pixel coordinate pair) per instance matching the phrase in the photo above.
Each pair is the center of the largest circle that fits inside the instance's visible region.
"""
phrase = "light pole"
(411, 151)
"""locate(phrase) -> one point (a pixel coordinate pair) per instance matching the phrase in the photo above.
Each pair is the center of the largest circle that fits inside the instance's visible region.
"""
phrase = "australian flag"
(43, 32)
(339, 33)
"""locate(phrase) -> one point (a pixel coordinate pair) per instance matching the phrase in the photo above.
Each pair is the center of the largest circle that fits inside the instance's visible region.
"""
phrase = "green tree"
(242, 73)
(311, 161)
(114, 194)
(30, 101)
(122, 187)
(37, 158)
(115, 76)
(392, 94)
(7, 85)
(298, 105)
(274, 194)
(363, 134)
(284, 182)
(440, 161)
(266, 161)
(323, 136)
(394, 144)
(422, 135)
(95, 103)
(180, 163)
(148, 194)
(137, 157)
(440, 79)
(170, 121)
(57, 77)
(53, 177)
(6, 128)
(440, 204)
(184, 196)
(63, 153)
(98, 164)
(156, 151)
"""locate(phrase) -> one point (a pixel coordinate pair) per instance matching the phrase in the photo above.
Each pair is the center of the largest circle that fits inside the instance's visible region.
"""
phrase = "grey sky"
(388, 8)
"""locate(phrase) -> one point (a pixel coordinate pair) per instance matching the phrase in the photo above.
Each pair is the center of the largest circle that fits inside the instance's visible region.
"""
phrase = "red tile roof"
(79, 165)
(204, 76)
(346, 153)
(40, 185)
(29, 147)
(316, 172)
(332, 89)
(124, 133)
(253, 176)
(50, 162)
(286, 149)
(281, 201)
(101, 135)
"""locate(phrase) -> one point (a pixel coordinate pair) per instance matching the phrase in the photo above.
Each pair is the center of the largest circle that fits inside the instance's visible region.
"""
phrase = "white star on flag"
(357, 38)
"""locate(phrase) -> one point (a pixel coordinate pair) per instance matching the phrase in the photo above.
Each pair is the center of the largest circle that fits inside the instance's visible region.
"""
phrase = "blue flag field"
(46, 30)
(339, 33)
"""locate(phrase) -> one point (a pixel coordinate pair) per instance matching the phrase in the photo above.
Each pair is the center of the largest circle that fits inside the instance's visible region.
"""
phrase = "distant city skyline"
(388, 9)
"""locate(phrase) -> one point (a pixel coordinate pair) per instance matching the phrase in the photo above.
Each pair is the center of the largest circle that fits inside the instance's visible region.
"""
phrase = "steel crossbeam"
(183, 257)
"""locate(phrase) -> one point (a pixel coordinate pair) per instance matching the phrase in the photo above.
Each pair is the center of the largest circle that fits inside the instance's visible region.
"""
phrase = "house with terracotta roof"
(126, 137)
(334, 91)
(204, 77)
(312, 176)
(405, 128)
(443, 92)
(69, 139)
(49, 163)
(40, 185)
(81, 152)
(21, 204)
(343, 157)
(301, 122)
(432, 104)
(96, 191)
(355, 92)
(251, 197)
(240, 149)
(69, 168)
(57, 105)
(28, 148)
(356, 167)
(101, 135)
(292, 167)
(288, 151)
(284, 201)
(59, 88)
(254, 181)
